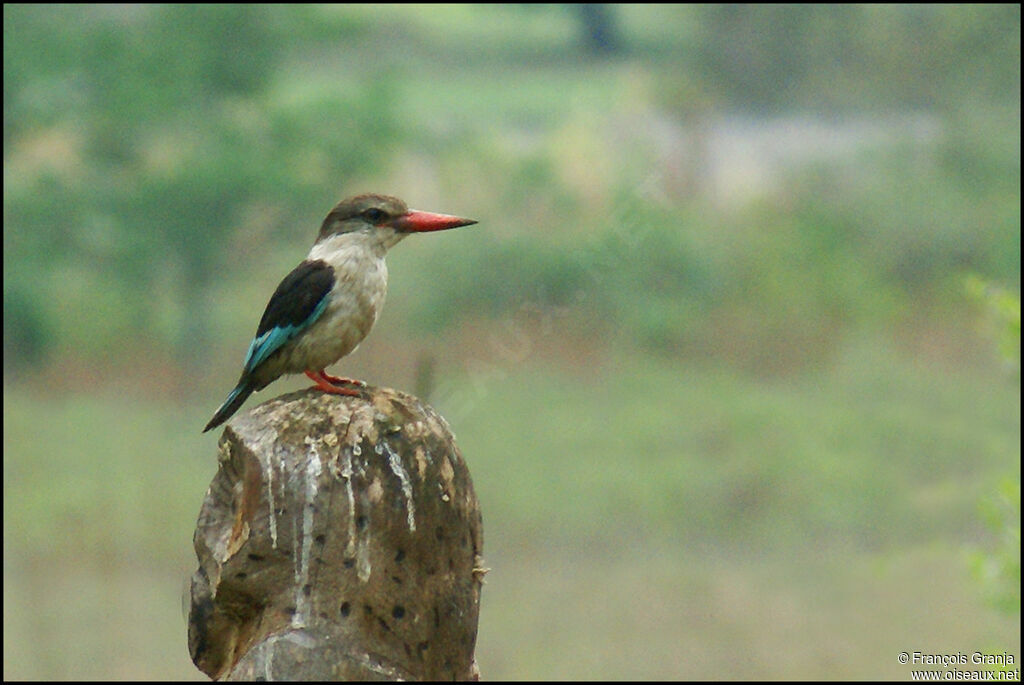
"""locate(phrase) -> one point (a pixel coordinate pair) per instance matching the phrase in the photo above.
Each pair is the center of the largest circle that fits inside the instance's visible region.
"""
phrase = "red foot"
(327, 383)
(341, 380)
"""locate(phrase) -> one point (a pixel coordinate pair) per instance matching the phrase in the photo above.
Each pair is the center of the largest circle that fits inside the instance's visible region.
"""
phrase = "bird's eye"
(375, 215)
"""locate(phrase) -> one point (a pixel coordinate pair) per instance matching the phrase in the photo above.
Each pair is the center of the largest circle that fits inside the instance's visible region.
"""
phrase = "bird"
(327, 305)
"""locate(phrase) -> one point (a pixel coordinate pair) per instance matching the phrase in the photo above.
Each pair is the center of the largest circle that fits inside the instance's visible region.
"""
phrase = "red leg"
(322, 382)
(341, 380)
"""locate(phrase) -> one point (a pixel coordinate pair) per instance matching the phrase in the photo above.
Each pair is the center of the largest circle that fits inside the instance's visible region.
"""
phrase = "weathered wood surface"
(340, 540)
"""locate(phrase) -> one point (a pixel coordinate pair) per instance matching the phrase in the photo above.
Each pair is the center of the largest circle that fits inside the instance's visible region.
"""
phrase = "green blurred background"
(733, 353)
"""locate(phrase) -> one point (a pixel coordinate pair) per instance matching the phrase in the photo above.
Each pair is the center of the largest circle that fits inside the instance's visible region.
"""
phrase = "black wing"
(299, 301)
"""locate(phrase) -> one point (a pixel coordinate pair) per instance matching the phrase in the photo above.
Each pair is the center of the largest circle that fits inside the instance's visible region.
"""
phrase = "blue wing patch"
(297, 303)
(265, 345)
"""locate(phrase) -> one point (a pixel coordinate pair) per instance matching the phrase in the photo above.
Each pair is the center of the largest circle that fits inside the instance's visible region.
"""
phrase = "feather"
(235, 399)
(297, 303)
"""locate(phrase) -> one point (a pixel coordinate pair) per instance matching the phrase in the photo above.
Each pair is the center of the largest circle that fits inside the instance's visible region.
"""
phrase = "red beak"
(421, 222)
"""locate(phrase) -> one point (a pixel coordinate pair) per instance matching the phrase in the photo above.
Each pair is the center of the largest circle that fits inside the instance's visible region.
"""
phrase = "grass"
(100, 496)
(85, 474)
(643, 519)
(665, 612)
(843, 454)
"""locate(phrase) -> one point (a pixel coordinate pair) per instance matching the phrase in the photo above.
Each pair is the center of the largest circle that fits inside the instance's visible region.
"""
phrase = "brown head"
(384, 215)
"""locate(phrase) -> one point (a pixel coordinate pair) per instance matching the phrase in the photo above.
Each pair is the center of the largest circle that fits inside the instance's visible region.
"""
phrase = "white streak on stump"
(333, 546)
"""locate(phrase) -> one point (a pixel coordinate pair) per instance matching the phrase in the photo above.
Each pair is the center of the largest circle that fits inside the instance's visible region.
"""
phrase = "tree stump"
(339, 540)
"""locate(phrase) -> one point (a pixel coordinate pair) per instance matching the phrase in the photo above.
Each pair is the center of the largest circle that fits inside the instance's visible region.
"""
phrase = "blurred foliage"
(784, 57)
(1003, 308)
(859, 243)
(998, 570)
(148, 148)
(142, 136)
(26, 339)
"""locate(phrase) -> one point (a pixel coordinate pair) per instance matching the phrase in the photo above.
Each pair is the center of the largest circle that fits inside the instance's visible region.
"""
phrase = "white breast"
(360, 285)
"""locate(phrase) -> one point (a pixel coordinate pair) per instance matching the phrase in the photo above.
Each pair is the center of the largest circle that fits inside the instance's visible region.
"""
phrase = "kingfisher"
(327, 305)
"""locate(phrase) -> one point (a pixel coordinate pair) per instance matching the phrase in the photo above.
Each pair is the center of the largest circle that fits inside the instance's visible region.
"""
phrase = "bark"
(339, 540)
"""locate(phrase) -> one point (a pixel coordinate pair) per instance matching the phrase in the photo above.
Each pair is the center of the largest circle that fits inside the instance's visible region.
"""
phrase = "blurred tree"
(27, 338)
(599, 22)
(827, 57)
(142, 133)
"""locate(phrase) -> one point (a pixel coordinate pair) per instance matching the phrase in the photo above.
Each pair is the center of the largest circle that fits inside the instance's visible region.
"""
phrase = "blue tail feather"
(234, 400)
